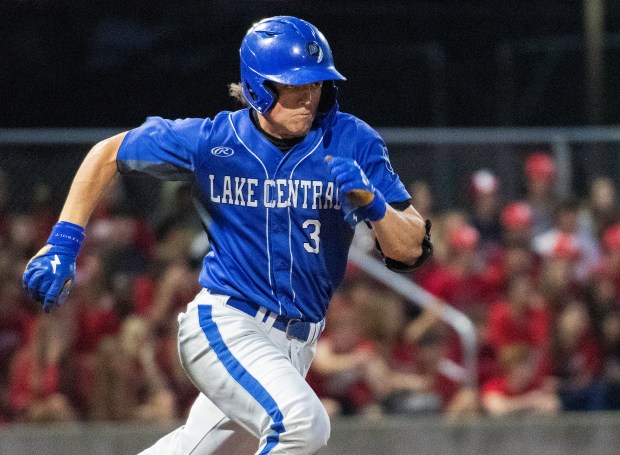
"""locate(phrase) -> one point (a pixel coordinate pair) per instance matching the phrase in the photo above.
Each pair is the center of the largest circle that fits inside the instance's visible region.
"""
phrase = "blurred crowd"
(539, 277)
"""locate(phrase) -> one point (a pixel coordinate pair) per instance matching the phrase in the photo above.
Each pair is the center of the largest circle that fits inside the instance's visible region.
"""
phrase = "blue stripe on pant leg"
(242, 376)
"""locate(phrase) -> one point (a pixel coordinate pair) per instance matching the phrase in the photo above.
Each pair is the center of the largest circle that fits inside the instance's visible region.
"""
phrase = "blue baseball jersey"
(276, 226)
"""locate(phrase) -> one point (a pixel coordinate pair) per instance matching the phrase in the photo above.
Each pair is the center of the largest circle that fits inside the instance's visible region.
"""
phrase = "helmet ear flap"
(250, 92)
(268, 86)
(255, 89)
(271, 88)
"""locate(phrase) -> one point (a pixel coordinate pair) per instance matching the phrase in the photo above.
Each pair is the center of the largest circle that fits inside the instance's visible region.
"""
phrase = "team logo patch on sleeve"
(386, 157)
(222, 151)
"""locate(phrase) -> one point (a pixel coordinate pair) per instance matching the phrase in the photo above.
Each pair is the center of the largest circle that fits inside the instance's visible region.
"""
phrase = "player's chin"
(301, 127)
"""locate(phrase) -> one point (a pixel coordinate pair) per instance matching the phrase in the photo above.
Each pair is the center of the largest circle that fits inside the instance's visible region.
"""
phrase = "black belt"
(293, 328)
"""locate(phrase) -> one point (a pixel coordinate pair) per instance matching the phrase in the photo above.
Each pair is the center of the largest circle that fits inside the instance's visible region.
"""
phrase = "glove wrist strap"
(67, 235)
(377, 207)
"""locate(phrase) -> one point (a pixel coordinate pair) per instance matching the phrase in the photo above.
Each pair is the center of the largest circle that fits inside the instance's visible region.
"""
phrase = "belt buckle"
(288, 325)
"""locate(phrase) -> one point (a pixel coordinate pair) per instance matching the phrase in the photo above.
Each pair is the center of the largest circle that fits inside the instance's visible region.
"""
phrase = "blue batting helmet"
(286, 50)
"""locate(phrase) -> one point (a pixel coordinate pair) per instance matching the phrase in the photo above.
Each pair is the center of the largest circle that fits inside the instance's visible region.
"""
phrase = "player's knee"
(309, 428)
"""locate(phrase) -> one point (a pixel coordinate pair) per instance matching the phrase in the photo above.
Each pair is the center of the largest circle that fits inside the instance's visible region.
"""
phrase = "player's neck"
(281, 143)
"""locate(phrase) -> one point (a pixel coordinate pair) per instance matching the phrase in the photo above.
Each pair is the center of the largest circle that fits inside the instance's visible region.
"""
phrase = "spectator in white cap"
(486, 207)
(566, 226)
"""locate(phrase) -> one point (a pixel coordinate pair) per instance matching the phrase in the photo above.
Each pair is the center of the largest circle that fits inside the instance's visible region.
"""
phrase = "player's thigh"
(245, 372)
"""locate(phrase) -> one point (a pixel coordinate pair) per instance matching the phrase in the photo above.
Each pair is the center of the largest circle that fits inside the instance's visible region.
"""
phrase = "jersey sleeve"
(165, 149)
(375, 161)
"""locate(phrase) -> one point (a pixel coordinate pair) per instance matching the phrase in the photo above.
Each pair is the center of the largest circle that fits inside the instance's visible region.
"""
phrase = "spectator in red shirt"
(350, 373)
(341, 371)
(486, 357)
(97, 312)
(514, 256)
(517, 223)
(414, 345)
(129, 384)
(578, 361)
(36, 392)
(460, 280)
(518, 389)
(443, 227)
(449, 379)
(521, 318)
(609, 267)
(565, 234)
(557, 281)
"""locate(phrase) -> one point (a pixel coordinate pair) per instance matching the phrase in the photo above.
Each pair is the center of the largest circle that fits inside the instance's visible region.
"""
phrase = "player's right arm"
(49, 274)
(160, 148)
(93, 176)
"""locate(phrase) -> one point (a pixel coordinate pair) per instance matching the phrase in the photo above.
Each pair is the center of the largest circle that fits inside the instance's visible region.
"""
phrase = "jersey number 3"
(313, 245)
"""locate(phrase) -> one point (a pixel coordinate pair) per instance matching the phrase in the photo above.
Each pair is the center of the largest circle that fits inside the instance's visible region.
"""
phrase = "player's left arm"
(403, 236)
(400, 234)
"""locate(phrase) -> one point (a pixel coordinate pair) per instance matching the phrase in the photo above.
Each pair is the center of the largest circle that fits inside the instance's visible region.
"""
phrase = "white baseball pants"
(254, 398)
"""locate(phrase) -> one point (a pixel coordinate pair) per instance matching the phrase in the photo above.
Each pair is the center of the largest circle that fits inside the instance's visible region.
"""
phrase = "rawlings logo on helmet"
(315, 50)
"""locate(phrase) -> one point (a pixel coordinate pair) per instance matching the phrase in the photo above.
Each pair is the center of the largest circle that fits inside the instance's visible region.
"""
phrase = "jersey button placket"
(281, 259)
(281, 241)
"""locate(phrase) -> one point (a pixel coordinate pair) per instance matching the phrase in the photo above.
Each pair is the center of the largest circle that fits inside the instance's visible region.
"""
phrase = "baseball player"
(280, 186)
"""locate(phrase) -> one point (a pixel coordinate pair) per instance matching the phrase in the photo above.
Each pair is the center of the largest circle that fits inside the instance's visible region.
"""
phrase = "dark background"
(453, 63)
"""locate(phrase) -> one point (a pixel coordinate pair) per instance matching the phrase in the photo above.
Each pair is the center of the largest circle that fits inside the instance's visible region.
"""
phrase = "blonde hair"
(235, 89)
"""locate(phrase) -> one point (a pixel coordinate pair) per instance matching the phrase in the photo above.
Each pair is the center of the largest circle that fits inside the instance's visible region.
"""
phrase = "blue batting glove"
(351, 181)
(48, 277)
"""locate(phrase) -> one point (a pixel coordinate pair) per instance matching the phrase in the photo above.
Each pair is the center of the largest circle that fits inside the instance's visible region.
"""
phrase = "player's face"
(293, 113)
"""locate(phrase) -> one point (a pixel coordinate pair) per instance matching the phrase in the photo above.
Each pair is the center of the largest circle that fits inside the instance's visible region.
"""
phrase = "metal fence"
(446, 157)
(443, 157)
